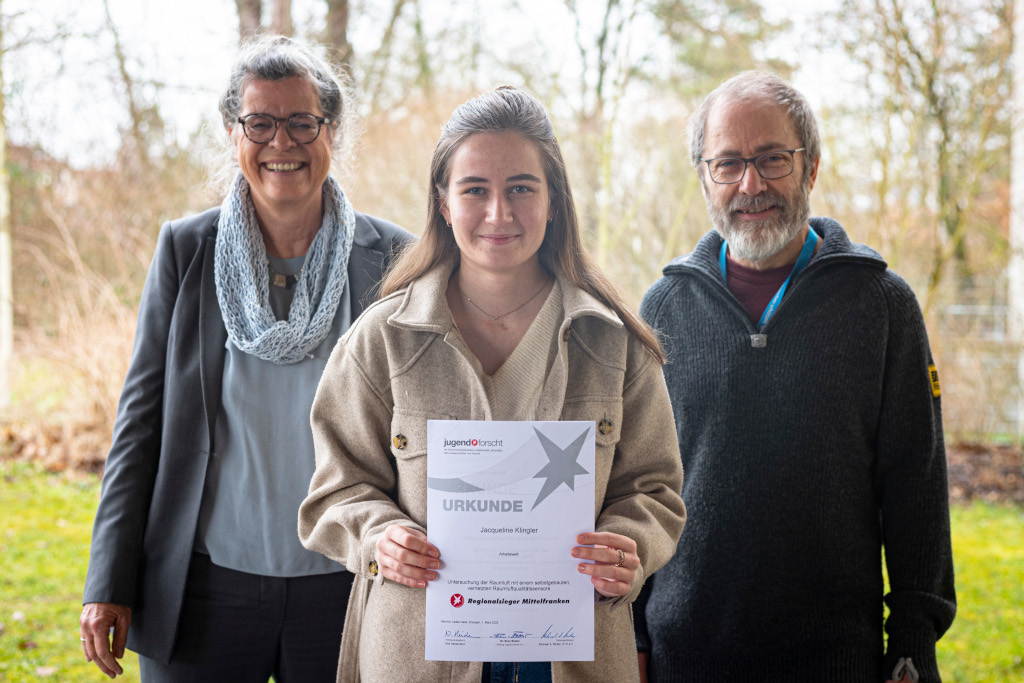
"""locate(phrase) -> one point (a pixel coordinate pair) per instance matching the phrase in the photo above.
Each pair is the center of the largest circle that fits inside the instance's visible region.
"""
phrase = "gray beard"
(760, 240)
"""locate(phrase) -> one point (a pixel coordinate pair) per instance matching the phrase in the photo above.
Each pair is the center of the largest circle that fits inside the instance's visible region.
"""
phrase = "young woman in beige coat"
(497, 313)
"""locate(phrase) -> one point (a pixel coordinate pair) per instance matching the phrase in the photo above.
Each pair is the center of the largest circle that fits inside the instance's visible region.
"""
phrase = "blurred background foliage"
(913, 110)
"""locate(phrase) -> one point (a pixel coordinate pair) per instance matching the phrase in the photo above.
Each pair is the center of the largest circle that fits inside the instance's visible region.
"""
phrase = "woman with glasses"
(195, 562)
(497, 313)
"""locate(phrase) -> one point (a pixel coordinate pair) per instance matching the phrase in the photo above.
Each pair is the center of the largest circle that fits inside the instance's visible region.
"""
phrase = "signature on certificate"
(513, 635)
(549, 633)
(459, 633)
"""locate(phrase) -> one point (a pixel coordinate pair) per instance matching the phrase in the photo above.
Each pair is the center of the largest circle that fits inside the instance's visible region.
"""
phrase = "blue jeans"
(517, 672)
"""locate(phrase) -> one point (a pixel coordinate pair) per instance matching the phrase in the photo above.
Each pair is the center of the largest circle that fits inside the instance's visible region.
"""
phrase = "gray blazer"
(164, 431)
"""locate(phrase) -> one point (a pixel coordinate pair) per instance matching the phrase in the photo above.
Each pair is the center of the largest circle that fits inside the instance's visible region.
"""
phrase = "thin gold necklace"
(499, 317)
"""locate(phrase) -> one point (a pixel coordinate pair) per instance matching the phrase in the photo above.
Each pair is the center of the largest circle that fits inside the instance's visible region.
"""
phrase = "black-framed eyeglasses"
(302, 128)
(770, 165)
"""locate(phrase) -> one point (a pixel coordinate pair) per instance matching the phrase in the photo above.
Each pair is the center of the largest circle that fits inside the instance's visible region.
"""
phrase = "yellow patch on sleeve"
(933, 374)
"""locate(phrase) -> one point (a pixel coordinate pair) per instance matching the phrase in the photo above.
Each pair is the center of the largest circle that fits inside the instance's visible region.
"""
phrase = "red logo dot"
(475, 442)
(458, 600)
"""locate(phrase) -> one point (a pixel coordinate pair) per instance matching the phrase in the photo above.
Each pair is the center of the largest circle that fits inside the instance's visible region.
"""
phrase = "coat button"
(400, 441)
(605, 427)
(373, 567)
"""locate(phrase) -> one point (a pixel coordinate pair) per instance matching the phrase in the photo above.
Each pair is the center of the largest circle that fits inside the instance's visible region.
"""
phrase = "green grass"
(45, 525)
(46, 520)
(986, 642)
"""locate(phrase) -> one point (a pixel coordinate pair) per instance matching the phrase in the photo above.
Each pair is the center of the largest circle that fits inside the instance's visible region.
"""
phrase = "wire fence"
(983, 383)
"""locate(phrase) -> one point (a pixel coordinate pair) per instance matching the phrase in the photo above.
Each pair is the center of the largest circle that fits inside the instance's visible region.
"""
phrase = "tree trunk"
(282, 19)
(1015, 269)
(135, 109)
(337, 33)
(249, 18)
(6, 279)
(376, 74)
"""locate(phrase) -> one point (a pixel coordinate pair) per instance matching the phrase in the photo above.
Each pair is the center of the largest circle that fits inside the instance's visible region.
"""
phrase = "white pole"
(1015, 269)
(6, 257)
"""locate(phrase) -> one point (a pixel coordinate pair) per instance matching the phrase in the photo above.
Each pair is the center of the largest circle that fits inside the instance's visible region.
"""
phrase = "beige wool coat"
(399, 365)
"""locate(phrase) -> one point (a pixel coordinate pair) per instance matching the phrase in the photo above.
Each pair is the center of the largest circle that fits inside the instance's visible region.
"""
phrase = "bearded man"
(808, 417)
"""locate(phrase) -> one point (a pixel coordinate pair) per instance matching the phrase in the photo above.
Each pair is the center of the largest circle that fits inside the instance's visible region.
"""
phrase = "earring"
(449, 224)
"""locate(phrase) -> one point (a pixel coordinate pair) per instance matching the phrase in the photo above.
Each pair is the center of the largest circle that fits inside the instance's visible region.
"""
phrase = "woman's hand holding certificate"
(405, 556)
(614, 562)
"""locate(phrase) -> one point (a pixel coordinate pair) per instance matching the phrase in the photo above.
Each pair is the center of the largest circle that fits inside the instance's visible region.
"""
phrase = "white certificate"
(505, 501)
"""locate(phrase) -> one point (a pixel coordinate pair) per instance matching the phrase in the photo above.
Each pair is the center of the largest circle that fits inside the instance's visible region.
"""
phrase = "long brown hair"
(508, 109)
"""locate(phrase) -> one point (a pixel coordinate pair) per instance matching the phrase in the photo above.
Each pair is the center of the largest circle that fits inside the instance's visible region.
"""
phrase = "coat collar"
(424, 307)
(365, 234)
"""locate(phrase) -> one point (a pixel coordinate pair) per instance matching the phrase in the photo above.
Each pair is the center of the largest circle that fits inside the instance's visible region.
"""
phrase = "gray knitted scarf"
(243, 277)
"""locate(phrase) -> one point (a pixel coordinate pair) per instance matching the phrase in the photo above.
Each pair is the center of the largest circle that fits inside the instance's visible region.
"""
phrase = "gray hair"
(759, 86)
(273, 58)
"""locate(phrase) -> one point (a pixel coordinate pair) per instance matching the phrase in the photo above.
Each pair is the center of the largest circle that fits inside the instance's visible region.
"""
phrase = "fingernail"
(433, 553)
(431, 576)
(575, 552)
(580, 568)
(434, 565)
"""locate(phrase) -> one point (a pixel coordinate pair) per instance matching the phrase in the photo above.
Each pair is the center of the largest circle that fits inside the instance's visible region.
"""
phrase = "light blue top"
(261, 469)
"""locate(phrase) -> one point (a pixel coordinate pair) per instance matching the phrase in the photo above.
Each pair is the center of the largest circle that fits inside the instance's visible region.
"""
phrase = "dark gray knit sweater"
(802, 458)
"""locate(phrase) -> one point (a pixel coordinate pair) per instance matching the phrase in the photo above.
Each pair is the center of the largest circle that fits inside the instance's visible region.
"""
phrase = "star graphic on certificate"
(562, 466)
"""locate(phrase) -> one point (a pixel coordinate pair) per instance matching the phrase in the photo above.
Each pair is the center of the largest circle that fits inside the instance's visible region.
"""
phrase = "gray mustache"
(761, 202)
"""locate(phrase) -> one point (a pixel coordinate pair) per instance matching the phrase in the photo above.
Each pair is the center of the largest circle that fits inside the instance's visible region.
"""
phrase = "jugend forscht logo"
(561, 468)
(458, 600)
(456, 443)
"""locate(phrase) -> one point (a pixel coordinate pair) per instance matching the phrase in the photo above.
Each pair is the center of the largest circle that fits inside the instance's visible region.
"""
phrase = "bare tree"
(937, 77)
(249, 18)
(136, 111)
(9, 44)
(604, 57)
(281, 22)
(618, 56)
(424, 70)
(337, 32)
(376, 71)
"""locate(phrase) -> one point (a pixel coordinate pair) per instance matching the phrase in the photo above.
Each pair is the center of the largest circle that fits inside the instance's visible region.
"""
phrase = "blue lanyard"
(801, 262)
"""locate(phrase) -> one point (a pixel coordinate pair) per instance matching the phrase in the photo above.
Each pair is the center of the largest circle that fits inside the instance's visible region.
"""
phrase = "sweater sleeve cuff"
(917, 647)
